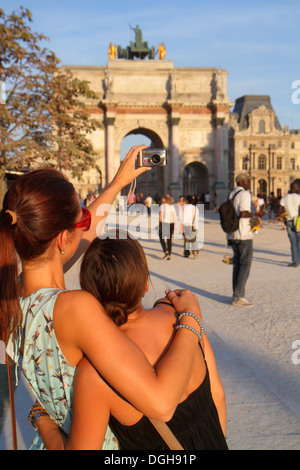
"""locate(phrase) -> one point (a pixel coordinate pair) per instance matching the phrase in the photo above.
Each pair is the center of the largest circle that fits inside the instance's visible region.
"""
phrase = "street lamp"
(271, 146)
(246, 161)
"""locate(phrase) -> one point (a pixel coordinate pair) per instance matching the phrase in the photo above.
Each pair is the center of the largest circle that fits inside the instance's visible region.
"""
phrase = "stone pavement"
(253, 347)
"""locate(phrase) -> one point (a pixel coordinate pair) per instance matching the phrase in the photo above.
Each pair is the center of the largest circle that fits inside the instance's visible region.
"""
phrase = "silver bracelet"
(189, 314)
(191, 329)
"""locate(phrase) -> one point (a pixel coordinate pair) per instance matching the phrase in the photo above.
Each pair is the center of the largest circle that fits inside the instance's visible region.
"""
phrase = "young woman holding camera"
(50, 329)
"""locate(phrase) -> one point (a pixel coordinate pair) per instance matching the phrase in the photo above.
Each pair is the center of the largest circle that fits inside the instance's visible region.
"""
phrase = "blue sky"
(258, 42)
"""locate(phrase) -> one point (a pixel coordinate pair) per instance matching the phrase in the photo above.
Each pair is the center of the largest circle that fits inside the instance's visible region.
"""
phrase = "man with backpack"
(241, 240)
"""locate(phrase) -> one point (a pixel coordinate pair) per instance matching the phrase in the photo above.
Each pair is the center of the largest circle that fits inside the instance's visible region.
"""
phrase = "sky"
(257, 42)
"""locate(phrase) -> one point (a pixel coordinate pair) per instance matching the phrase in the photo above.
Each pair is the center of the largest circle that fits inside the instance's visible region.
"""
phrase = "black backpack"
(228, 216)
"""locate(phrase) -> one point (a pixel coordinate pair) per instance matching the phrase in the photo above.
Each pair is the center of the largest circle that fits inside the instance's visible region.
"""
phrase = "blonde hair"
(169, 199)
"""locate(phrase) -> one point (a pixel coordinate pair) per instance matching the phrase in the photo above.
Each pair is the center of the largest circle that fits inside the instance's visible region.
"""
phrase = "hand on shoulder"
(184, 301)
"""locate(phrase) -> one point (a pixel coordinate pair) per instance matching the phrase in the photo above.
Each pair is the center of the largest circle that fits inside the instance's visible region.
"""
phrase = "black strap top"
(195, 423)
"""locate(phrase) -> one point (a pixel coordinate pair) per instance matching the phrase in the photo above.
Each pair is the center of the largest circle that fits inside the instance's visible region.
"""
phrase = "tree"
(43, 117)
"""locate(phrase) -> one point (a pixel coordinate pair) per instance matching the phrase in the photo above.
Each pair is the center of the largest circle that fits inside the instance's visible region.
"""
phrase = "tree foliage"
(43, 116)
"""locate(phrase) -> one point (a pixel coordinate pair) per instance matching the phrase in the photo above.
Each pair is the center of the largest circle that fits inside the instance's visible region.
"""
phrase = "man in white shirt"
(241, 241)
(148, 202)
(207, 201)
(291, 203)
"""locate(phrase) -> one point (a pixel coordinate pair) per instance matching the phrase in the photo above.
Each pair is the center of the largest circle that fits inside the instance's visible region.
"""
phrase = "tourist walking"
(291, 203)
(148, 202)
(273, 207)
(167, 217)
(241, 240)
(179, 208)
(259, 204)
(207, 199)
(190, 223)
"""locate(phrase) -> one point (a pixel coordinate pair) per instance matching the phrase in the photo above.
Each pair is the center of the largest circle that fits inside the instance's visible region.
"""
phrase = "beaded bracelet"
(35, 413)
(196, 318)
(191, 329)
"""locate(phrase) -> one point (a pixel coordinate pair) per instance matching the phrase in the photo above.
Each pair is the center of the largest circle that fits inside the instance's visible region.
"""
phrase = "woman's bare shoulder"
(76, 298)
(163, 309)
(164, 306)
(76, 304)
(164, 301)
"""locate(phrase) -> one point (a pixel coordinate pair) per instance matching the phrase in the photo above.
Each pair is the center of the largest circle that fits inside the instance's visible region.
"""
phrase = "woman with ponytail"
(48, 329)
(115, 271)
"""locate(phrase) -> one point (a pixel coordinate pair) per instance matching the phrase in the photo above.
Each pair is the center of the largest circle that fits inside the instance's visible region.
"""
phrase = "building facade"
(185, 110)
(260, 146)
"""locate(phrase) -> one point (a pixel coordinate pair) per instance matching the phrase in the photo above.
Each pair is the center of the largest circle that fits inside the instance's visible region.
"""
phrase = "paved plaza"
(256, 349)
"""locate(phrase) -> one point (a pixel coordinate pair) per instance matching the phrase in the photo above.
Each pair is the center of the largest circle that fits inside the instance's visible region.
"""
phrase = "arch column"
(219, 152)
(110, 147)
(175, 186)
(219, 185)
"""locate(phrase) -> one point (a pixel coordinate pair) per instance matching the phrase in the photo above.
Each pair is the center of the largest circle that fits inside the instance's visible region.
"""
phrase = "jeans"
(242, 259)
(295, 241)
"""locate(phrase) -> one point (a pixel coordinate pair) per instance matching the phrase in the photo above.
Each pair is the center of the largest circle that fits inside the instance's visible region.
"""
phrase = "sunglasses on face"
(85, 222)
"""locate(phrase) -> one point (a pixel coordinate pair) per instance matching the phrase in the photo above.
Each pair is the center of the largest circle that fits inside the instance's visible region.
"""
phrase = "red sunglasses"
(85, 222)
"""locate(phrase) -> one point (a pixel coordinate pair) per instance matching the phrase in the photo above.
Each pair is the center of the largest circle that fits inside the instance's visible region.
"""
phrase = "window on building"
(292, 145)
(245, 144)
(262, 144)
(293, 163)
(261, 126)
(279, 163)
(262, 162)
(279, 144)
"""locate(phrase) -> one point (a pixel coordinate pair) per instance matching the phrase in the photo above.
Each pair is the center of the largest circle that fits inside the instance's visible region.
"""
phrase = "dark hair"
(44, 202)
(115, 271)
(295, 186)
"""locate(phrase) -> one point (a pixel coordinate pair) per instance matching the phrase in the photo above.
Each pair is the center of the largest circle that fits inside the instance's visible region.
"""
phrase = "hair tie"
(13, 217)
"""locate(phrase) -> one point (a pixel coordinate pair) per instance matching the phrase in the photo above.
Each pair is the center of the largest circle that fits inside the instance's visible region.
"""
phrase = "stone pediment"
(262, 111)
(250, 109)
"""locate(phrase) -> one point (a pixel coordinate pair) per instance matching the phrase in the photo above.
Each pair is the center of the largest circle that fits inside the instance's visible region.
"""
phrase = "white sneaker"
(242, 303)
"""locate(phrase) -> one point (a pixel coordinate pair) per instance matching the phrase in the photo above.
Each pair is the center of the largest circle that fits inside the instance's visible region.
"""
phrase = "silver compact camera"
(152, 157)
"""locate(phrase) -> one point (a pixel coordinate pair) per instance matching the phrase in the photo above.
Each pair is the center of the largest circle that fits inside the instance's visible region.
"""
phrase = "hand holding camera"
(152, 158)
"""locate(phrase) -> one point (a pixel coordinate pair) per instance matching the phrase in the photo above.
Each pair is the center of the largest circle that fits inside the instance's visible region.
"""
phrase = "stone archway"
(152, 182)
(187, 107)
(195, 179)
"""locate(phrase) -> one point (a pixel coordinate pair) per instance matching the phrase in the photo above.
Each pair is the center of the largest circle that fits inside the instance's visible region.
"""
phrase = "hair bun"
(117, 311)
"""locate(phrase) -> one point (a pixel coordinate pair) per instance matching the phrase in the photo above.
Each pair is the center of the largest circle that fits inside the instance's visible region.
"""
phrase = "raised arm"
(101, 206)
(125, 175)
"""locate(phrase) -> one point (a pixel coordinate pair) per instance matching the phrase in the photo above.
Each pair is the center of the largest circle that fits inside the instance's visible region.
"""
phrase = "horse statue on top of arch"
(139, 48)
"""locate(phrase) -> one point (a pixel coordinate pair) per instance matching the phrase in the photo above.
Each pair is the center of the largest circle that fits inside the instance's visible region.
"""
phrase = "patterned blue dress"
(47, 371)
